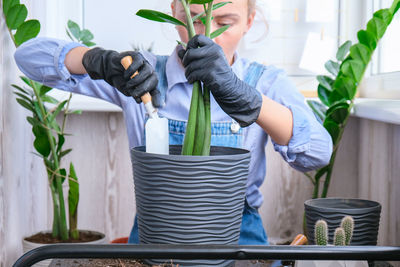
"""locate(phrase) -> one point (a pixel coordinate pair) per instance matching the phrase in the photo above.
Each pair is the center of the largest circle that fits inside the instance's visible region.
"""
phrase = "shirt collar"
(175, 72)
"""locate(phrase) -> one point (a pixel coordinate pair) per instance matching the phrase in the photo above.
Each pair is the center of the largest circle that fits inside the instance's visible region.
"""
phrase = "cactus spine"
(321, 233)
(340, 237)
(348, 225)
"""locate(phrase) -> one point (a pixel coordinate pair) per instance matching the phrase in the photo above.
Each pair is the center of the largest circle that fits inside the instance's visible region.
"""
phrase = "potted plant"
(342, 237)
(49, 135)
(336, 93)
(195, 194)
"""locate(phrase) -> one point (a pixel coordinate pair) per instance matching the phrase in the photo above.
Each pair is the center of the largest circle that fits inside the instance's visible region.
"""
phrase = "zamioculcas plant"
(342, 236)
(49, 134)
(337, 92)
(198, 130)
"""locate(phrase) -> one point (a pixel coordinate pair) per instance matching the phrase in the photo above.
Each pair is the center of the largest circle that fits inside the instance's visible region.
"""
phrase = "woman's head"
(239, 15)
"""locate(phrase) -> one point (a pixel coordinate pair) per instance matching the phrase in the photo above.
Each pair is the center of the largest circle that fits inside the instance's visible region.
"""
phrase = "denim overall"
(222, 134)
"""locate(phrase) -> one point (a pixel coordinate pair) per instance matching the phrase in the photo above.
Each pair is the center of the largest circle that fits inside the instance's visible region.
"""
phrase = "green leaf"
(338, 112)
(59, 108)
(361, 52)
(325, 81)
(89, 43)
(44, 89)
(333, 129)
(354, 69)
(159, 16)
(63, 175)
(21, 89)
(73, 192)
(333, 67)
(37, 111)
(385, 15)
(219, 31)
(8, 4)
(346, 87)
(318, 109)
(16, 16)
(28, 30)
(396, 8)
(335, 96)
(74, 29)
(377, 26)
(199, 2)
(26, 80)
(49, 99)
(79, 112)
(23, 96)
(86, 36)
(41, 143)
(25, 104)
(221, 4)
(367, 39)
(69, 35)
(61, 140)
(64, 152)
(321, 172)
(323, 94)
(32, 121)
(343, 50)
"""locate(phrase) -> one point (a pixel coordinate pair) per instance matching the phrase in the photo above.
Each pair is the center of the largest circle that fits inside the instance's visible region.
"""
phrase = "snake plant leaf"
(199, 2)
(8, 4)
(325, 81)
(343, 51)
(41, 142)
(74, 29)
(73, 192)
(27, 30)
(16, 16)
(361, 52)
(377, 26)
(323, 94)
(318, 109)
(333, 67)
(346, 87)
(219, 31)
(368, 39)
(385, 15)
(159, 16)
(353, 68)
(333, 129)
(338, 112)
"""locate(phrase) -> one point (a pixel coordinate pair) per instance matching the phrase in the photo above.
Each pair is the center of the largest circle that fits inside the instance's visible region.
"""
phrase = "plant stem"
(189, 24)
(188, 141)
(394, 5)
(66, 114)
(58, 190)
(200, 126)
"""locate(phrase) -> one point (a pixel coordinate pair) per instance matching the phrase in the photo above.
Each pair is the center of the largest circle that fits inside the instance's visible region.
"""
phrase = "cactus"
(321, 233)
(340, 237)
(348, 225)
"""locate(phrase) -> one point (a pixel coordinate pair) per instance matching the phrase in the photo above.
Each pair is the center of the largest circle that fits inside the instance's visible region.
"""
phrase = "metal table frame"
(113, 251)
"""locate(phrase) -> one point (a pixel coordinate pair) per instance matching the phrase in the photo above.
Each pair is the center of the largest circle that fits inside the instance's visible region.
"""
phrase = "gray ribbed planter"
(190, 199)
(366, 215)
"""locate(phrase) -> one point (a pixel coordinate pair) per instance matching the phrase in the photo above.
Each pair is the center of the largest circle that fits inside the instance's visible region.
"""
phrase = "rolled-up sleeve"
(42, 59)
(310, 146)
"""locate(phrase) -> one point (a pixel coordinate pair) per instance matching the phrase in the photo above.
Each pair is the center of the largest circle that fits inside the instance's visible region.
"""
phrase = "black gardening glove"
(205, 61)
(106, 65)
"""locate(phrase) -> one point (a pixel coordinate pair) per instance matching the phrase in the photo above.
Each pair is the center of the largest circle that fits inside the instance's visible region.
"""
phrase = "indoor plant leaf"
(338, 112)
(64, 153)
(323, 94)
(159, 16)
(8, 4)
(26, 104)
(333, 67)
(353, 68)
(385, 15)
(219, 31)
(61, 140)
(23, 96)
(377, 26)
(21, 89)
(44, 89)
(333, 129)
(367, 38)
(41, 142)
(85, 35)
(318, 109)
(343, 50)
(360, 52)
(199, 2)
(28, 30)
(89, 43)
(73, 192)
(74, 29)
(49, 99)
(16, 16)
(346, 87)
(325, 81)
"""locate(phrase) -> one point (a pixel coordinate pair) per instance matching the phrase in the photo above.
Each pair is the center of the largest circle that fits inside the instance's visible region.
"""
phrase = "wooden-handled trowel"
(157, 135)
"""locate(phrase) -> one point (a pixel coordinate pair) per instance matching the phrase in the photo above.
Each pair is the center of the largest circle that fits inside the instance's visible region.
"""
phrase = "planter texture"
(190, 199)
(366, 215)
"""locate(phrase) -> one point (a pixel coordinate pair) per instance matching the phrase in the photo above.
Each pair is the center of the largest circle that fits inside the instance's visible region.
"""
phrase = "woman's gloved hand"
(205, 61)
(106, 65)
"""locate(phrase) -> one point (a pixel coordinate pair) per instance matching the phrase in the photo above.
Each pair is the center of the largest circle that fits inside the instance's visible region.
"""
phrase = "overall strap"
(162, 77)
(254, 73)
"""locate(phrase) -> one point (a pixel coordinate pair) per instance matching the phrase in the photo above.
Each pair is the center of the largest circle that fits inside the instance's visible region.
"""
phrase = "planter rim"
(316, 204)
(235, 153)
(103, 236)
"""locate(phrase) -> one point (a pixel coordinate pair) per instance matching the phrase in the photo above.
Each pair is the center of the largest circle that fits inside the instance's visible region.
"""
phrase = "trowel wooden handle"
(126, 62)
(299, 240)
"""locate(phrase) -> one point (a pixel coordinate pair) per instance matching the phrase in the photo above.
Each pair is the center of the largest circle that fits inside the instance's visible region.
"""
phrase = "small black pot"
(190, 199)
(366, 215)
